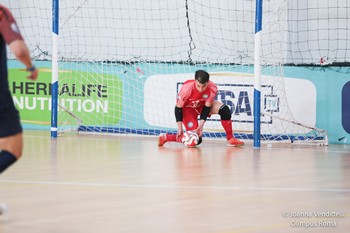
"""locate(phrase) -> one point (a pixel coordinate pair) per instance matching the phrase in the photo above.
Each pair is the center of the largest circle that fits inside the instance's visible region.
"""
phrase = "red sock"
(227, 124)
(172, 138)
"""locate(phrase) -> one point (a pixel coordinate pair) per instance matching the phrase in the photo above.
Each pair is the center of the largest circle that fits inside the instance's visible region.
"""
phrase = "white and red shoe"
(235, 142)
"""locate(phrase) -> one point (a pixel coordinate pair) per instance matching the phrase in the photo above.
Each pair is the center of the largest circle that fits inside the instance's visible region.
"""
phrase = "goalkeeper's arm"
(203, 117)
(179, 117)
(178, 114)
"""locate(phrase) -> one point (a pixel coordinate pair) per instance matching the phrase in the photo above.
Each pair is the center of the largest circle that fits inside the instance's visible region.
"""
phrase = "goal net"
(122, 63)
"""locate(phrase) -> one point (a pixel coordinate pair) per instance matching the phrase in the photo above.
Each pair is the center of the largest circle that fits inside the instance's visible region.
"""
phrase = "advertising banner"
(80, 93)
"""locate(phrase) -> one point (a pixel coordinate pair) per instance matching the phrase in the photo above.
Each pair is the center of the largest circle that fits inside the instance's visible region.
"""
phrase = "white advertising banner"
(293, 101)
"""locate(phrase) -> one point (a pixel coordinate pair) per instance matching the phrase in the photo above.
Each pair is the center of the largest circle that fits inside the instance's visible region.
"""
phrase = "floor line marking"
(160, 186)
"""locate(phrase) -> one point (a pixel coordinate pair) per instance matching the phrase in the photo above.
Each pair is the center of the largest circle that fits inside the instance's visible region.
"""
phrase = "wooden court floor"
(102, 184)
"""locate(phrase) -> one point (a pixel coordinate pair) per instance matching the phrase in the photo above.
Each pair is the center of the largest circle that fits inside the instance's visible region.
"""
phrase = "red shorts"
(190, 117)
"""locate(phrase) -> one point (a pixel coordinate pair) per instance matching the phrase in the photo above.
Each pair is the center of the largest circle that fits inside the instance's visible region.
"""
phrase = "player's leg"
(189, 121)
(225, 118)
(11, 150)
(11, 138)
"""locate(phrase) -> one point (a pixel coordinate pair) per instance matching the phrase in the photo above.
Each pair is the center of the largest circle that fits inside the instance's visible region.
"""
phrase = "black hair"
(202, 76)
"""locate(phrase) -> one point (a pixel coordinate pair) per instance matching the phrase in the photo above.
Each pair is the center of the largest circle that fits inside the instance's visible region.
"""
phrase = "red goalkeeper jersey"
(190, 97)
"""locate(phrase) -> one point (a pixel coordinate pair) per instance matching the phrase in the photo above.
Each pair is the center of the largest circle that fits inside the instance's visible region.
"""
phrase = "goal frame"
(257, 136)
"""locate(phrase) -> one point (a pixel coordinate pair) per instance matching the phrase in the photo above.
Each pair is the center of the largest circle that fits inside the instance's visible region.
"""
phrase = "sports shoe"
(235, 142)
(162, 139)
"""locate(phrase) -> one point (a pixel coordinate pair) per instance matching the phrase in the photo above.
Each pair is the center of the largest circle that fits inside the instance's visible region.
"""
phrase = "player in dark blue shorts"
(11, 139)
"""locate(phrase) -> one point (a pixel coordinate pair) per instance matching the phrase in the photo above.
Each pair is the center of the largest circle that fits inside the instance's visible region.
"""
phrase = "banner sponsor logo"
(80, 94)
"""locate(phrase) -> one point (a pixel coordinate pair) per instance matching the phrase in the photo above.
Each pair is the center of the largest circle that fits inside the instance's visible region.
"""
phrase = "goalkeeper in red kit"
(196, 98)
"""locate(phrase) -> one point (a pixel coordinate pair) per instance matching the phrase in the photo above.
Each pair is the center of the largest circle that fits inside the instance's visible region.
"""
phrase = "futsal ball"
(190, 139)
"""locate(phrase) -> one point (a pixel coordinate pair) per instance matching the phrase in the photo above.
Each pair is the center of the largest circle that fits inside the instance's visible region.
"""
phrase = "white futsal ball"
(190, 139)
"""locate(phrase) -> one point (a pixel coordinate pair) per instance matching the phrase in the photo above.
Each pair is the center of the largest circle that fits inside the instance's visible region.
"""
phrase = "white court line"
(127, 139)
(160, 186)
